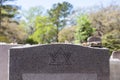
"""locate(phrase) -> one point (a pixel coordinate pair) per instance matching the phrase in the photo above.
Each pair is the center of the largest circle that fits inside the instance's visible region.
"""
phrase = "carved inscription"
(60, 57)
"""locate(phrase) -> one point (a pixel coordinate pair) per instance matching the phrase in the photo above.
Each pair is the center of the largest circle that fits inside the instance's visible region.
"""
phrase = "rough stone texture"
(115, 66)
(50, 62)
(94, 39)
(116, 55)
(60, 76)
(4, 60)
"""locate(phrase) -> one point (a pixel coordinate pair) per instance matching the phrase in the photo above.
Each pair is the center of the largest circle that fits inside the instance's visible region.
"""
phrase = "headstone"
(94, 41)
(59, 62)
(116, 55)
(4, 60)
(115, 66)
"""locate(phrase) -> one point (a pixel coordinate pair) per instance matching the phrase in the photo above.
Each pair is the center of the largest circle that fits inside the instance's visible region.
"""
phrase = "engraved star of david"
(60, 57)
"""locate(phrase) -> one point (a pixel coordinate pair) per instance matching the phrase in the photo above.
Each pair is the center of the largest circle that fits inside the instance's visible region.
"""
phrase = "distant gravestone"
(115, 66)
(59, 62)
(4, 60)
(116, 55)
(94, 41)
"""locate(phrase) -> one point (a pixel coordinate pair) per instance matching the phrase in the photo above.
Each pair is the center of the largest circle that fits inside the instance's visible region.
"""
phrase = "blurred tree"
(9, 28)
(84, 29)
(30, 41)
(29, 16)
(67, 34)
(106, 19)
(13, 31)
(7, 10)
(58, 15)
(3, 38)
(111, 40)
(107, 22)
(44, 30)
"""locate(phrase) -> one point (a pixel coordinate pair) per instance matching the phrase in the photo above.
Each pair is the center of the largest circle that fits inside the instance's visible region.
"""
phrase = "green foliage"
(84, 29)
(67, 34)
(10, 31)
(8, 10)
(44, 30)
(106, 19)
(58, 14)
(30, 41)
(28, 23)
(107, 22)
(3, 38)
(112, 40)
(31, 13)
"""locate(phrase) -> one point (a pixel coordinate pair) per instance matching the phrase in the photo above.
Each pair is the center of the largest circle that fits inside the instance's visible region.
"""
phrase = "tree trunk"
(57, 32)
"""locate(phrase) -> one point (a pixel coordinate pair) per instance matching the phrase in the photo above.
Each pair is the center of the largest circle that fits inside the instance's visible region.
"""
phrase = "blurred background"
(60, 21)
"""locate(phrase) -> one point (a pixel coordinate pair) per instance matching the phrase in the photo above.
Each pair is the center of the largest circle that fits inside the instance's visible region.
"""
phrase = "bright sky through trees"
(25, 4)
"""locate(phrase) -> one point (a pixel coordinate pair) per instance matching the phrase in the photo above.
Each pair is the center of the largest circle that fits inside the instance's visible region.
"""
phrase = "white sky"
(26, 4)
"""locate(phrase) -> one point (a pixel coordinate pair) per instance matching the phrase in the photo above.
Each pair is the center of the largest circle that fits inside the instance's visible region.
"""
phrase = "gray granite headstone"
(115, 66)
(94, 41)
(59, 62)
(116, 55)
(4, 60)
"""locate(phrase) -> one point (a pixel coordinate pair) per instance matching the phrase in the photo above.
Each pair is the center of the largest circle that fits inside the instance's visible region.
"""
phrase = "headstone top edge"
(42, 45)
(10, 44)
